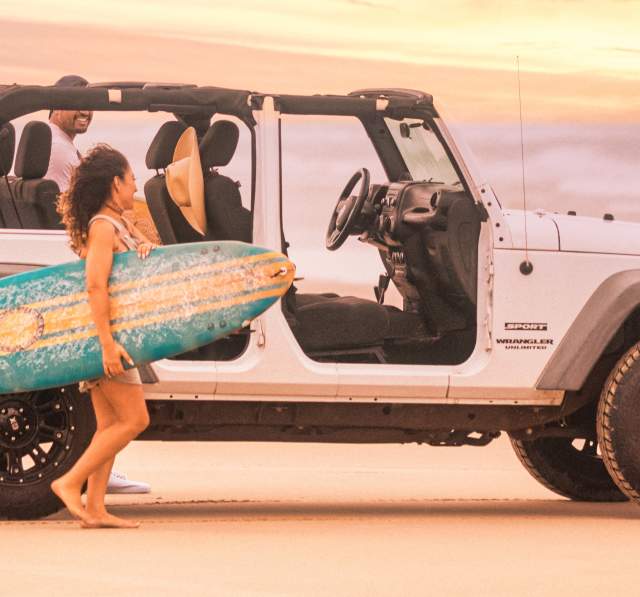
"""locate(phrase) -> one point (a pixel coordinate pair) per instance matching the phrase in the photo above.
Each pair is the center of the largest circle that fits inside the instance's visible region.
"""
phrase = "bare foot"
(70, 498)
(108, 521)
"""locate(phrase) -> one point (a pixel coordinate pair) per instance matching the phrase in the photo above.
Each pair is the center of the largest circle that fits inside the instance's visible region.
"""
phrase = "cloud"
(626, 50)
(472, 89)
(369, 4)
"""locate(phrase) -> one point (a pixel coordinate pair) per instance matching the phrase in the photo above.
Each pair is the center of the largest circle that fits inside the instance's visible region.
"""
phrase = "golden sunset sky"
(580, 60)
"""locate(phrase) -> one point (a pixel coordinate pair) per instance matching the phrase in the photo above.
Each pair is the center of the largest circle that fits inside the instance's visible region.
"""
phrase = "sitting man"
(65, 125)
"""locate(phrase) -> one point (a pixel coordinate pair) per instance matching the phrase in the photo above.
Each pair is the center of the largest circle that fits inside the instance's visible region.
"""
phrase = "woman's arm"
(98, 269)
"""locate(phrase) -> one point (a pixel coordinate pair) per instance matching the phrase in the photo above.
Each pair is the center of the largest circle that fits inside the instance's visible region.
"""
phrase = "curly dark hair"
(89, 189)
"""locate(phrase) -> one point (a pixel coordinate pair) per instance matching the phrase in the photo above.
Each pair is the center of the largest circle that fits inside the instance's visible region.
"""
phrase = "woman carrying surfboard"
(101, 189)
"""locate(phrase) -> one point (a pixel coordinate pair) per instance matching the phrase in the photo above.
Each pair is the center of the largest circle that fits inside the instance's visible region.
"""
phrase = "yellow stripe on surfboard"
(158, 279)
(28, 328)
(146, 300)
(158, 318)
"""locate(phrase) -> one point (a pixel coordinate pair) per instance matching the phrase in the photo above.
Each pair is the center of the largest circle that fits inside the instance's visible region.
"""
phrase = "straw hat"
(185, 182)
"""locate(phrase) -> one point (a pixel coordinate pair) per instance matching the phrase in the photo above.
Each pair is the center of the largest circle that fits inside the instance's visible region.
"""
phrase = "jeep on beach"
(506, 321)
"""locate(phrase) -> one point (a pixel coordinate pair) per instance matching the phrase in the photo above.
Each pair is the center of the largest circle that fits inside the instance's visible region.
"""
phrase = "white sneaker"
(118, 483)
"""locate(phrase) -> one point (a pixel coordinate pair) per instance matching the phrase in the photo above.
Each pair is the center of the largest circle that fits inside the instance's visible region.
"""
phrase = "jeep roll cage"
(188, 101)
(181, 99)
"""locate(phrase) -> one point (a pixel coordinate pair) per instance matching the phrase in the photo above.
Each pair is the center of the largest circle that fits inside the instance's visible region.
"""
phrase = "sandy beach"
(294, 519)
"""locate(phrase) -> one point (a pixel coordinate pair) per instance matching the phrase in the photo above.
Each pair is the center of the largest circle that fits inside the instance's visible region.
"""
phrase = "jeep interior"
(421, 221)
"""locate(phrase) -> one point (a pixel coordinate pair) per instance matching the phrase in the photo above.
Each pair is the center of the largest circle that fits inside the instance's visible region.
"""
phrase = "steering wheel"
(347, 210)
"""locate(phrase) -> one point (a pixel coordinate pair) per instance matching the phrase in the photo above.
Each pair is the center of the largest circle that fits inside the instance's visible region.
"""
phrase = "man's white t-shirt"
(64, 158)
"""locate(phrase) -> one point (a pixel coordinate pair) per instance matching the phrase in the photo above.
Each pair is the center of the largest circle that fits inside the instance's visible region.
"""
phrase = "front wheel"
(618, 423)
(42, 434)
(570, 467)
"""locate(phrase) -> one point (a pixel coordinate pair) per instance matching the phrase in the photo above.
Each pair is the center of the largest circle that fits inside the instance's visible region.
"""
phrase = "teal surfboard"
(179, 298)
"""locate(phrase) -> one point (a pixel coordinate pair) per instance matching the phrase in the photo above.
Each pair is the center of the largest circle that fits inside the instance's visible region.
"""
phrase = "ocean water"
(589, 168)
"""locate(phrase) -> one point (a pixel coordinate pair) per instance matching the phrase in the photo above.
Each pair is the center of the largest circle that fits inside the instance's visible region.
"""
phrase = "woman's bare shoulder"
(100, 227)
(101, 232)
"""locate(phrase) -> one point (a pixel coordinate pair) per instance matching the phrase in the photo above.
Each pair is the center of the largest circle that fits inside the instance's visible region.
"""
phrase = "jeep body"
(509, 320)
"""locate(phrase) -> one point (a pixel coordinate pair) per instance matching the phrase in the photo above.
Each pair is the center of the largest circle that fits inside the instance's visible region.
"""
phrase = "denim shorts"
(130, 376)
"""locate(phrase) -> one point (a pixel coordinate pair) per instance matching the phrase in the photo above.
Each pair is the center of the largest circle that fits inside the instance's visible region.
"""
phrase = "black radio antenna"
(526, 267)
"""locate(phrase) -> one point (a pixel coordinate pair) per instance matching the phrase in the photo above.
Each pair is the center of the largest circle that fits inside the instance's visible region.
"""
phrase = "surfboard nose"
(282, 271)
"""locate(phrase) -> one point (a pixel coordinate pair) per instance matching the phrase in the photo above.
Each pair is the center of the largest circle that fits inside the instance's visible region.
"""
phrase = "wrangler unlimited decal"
(525, 343)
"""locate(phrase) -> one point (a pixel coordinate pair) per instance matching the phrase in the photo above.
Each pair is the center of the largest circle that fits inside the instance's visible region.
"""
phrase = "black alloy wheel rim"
(36, 434)
(589, 449)
(579, 448)
(581, 452)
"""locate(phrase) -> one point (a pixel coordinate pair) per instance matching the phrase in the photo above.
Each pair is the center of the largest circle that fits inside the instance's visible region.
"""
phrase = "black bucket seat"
(7, 148)
(35, 197)
(325, 323)
(8, 218)
(227, 218)
(171, 225)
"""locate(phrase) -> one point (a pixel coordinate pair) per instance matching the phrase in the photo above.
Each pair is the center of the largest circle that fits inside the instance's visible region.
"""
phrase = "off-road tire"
(618, 423)
(559, 466)
(66, 421)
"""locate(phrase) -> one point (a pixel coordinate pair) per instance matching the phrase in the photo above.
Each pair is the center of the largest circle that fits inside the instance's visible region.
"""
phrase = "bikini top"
(125, 236)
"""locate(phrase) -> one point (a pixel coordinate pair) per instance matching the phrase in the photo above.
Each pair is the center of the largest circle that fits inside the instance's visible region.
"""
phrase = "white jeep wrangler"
(520, 322)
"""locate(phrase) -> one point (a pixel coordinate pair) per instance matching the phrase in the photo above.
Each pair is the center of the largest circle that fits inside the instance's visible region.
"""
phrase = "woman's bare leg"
(127, 402)
(98, 480)
(97, 489)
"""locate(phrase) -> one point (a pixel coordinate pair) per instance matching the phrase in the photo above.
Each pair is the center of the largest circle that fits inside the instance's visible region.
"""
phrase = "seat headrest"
(160, 153)
(7, 147)
(34, 151)
(219, 144)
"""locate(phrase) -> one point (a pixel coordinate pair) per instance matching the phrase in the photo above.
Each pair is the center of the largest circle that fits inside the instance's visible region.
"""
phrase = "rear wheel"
(618, 423)
(42, 434)
(570, 467)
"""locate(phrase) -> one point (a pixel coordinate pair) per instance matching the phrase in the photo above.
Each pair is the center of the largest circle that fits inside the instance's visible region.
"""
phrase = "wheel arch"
(606, 325)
